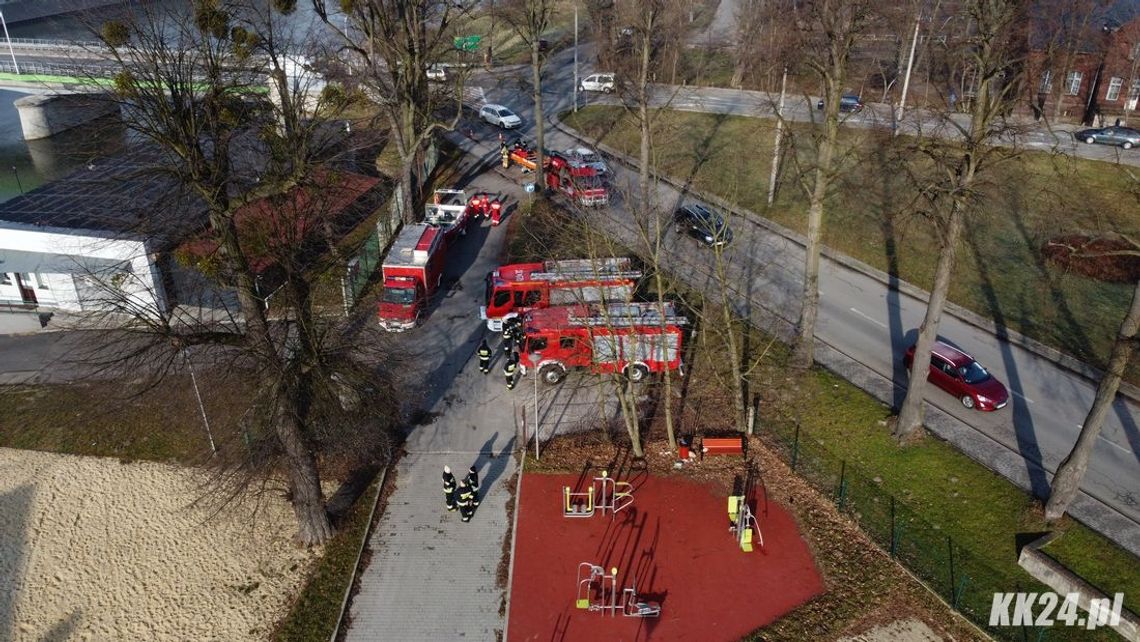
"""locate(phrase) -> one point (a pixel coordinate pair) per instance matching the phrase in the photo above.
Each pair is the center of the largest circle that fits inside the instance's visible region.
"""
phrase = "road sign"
(467, 43)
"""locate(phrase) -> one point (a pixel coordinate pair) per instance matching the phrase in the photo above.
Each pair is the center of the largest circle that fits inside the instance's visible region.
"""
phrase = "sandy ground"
(898, 631)
(93, 549)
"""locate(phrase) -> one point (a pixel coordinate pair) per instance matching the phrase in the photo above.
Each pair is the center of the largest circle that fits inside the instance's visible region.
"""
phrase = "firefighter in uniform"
(510, 369)
(449, 488)
(509, 335)
(466, 509)
(506, 154)
(472, 481)
(484, 357)
(496, 211)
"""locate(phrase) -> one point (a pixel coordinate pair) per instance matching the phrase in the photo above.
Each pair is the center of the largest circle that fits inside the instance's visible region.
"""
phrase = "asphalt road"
(865, 320)
(861, 318)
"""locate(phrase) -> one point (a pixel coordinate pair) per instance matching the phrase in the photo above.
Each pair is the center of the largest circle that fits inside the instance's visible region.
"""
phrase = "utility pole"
(9, 40)
(575, 56)
(779, 138)
(906, 79)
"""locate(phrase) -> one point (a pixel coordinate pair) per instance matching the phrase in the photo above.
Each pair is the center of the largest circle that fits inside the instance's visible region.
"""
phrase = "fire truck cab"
(514, 289)
(633, 339)
(580, 182)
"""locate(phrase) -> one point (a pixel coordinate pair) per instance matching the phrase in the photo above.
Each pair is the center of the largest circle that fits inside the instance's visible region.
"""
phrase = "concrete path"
(721, 32)
(433, 577)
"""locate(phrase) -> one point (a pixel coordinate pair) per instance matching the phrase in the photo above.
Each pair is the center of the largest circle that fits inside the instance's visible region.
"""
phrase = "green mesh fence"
(964, 580)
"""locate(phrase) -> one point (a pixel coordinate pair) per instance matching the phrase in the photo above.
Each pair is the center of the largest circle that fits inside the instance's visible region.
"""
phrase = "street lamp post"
(575, 56)
(9, 41)
(906, 80)
(534, 358)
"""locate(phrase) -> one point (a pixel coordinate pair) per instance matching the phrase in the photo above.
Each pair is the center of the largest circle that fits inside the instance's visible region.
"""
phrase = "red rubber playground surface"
(674, 541)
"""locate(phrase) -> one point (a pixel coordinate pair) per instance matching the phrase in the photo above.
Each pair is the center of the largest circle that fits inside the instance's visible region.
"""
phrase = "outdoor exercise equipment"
(604, 493)
(742, 523)
(597, 591)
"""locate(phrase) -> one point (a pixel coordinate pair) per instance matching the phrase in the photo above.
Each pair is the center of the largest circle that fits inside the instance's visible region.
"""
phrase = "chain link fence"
(965, 580)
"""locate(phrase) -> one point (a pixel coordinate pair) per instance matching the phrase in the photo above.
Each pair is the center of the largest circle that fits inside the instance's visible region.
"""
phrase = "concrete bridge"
(16, 11)
(64, 78)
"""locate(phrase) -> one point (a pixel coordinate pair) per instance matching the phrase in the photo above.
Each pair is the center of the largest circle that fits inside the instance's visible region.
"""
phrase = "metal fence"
(363, 266)
(966, 581)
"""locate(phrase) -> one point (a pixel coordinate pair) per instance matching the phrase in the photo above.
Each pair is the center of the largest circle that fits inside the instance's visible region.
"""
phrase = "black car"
(703, 224)
(846, 103)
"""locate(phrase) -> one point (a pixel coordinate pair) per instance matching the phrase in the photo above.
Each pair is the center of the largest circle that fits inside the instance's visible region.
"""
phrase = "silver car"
(1125, 137)
(588, 157)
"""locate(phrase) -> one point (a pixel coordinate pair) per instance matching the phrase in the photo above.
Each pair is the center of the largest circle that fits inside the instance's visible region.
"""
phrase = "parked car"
(587, 156)
(1126, 137)
(499, 116)
(702, 223)
(597, 82)
(437, 73)
(959, 374)
(847, 103)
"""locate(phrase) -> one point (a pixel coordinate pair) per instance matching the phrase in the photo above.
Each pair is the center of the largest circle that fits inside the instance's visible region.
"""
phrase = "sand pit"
(94, 549)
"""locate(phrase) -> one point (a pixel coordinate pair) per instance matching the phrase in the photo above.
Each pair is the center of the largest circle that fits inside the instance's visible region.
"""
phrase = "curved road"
(864, 326)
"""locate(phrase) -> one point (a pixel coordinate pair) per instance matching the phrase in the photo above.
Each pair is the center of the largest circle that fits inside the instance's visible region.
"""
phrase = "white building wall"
(141, 285)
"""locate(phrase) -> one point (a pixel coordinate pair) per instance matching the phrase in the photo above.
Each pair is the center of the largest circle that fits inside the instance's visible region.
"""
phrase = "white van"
(597, 82)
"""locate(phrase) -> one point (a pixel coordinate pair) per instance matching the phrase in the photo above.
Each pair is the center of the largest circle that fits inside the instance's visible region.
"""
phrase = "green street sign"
(467, 43)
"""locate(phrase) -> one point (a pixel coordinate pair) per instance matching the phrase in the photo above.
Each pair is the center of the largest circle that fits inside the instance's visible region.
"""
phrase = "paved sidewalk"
(431, 576)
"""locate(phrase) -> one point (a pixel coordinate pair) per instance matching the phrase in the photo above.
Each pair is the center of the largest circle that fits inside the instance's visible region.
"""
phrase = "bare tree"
(825, 31)
(990, 48)
(390, 45)
(530, 19)
(187, 86)
(1067, 482)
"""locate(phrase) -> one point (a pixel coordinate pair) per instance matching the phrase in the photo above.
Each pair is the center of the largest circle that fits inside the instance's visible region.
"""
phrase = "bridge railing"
(63, 70)
(44, 43)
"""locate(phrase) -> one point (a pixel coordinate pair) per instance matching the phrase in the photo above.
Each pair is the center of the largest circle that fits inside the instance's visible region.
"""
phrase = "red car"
(957, 373)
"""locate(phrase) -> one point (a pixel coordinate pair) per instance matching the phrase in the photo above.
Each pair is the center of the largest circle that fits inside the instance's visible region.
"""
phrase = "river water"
(25, 165)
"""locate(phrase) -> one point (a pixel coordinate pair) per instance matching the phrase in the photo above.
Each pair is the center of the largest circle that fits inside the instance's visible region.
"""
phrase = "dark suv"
(703, 224)
(847, 103)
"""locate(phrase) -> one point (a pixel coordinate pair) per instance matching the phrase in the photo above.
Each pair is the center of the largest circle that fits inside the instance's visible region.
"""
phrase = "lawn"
(873, 216)
(844, 431)
(116, 419)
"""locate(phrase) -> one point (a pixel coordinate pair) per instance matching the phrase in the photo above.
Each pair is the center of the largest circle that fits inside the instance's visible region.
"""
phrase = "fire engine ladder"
(629, 314)
(587, 269)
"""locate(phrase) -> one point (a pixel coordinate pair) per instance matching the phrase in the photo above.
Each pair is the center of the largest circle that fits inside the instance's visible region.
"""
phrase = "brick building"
(1085, 61)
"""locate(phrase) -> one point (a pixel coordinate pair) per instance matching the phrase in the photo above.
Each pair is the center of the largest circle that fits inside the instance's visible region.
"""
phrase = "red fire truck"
(518, 288)
(579, 182)
(413, 268)
(634, 339)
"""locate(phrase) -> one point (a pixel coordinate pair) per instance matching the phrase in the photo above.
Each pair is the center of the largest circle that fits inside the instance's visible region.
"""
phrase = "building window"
(1134, 92)
(1073, 83)
(5, 278)
(41, 282)
(1114, 86)
(1046, 82)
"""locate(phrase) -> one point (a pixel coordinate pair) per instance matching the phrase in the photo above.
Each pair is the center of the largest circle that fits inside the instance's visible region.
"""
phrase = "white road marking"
(1014, 392)
(869, 318)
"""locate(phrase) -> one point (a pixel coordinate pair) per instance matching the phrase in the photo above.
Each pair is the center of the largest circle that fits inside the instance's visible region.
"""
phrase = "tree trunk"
(314, 526)
(539, 122)
(734, 356)
(1067, 481)
(628, 402)
(911, 414)
(805, 345)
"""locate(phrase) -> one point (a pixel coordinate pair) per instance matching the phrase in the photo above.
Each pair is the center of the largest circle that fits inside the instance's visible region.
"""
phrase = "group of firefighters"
(512, 338)
(463, 496)
(484, 205)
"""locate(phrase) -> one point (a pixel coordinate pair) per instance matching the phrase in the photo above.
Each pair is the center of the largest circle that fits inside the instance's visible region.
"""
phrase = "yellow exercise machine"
(742, 522)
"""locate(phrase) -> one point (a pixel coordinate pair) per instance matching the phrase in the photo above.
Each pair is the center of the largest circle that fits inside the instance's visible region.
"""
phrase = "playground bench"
(722, 446)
